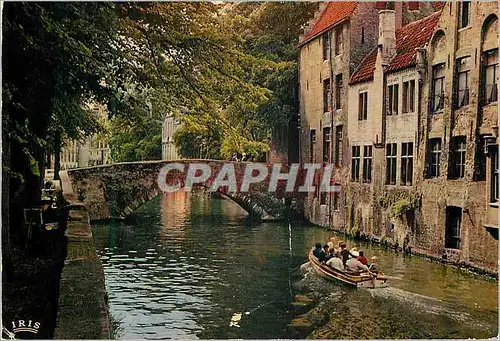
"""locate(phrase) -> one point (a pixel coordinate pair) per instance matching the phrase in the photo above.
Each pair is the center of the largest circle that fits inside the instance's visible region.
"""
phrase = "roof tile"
(365, 70)
(334, 13)
(408, 39)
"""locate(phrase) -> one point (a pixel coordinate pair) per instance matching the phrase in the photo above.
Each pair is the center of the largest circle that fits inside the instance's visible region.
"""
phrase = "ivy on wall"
(400, 203)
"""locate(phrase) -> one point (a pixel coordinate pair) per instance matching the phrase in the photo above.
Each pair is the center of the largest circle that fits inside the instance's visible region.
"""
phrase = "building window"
(407, 164)
(326, 45)
(490, 75)
(362, 35)
(355, 163)
(338, 91)
(438, 87)
(338, 146)
(453, 224)
(434, 164)
(336, 201)
(326, 144)
(312, 152)
(464, 13)
(409, 96)
(367, 164)
(463, 71)
(338, 40)
(457, 158)
(391, 162)
(494, 185)
(322, 198)
(363, 106)
(393, 99)
(326, 95)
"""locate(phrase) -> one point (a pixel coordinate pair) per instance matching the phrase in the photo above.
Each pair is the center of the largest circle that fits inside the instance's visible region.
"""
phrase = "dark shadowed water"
(184, 265)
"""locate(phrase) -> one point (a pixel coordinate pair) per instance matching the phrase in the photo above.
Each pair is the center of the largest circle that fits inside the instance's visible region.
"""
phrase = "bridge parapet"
(116, 190)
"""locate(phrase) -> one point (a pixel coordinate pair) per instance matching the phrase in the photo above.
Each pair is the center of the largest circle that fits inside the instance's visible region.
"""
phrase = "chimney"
(413, 5)
(387, 34)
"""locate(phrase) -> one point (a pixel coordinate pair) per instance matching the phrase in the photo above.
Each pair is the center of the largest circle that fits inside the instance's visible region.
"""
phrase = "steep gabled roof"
(408, 39)
(334, 13)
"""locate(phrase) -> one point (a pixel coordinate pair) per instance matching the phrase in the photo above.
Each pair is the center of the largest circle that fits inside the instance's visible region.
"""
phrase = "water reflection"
(185, 265)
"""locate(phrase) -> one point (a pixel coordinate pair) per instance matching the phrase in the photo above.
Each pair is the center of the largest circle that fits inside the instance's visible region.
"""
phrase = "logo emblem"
(21, 326)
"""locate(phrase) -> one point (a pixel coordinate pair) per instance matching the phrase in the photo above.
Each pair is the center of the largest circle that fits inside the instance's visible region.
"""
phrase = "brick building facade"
(415, 139)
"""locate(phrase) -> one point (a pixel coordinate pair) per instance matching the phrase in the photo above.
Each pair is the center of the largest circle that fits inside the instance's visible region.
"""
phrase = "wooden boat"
(363, 280)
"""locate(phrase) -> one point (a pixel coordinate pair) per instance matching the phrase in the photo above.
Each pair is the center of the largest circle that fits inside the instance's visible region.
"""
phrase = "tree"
(191, 59)
(55, 58)
(271, 31)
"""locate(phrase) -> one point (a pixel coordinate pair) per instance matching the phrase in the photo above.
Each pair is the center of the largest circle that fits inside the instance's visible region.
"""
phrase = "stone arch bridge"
(116, 190)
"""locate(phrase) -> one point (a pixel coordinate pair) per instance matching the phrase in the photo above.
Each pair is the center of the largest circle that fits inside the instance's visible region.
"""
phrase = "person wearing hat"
(353, 264)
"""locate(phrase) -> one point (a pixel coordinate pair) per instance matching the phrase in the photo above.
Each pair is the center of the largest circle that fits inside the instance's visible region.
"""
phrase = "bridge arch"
(117, 190)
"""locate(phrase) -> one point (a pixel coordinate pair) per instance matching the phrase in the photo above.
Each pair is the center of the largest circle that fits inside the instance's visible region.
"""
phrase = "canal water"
(184, 265)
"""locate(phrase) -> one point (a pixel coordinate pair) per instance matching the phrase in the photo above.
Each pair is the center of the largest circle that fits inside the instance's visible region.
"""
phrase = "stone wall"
(373, 208)
(115, 191)
(471, 194)
(360, 34)
(83, 311)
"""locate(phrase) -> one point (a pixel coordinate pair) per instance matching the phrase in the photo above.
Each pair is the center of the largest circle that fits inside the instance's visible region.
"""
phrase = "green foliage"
(198, 140)
(135, 140)
(270, 31)
(399, 203)
(404, 205)
(227, 71)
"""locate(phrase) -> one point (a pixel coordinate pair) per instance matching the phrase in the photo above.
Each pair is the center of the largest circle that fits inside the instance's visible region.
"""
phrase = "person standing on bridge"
(235, 157)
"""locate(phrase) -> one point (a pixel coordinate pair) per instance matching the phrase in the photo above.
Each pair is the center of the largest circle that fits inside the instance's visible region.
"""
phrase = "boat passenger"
(319, 253)
(336, 262)
(344, 253)
(374, 265)
(326, 249)
(353, 264)
(331, 254)
(362, 258)
(331, 243)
